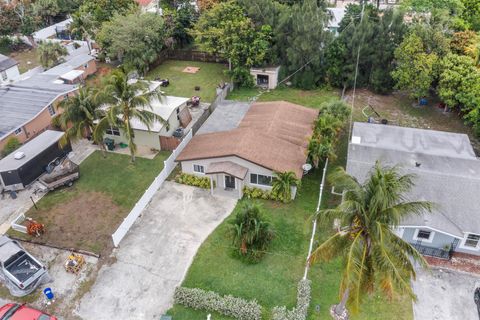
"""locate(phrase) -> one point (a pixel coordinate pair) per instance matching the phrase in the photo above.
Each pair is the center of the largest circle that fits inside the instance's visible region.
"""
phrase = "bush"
(300, 312)
(193, 180)
(337, 109)
(256, 193)
(11, 145)
(210, 301)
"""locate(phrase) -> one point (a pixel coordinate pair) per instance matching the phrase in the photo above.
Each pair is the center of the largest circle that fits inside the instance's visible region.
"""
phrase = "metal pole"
(34, 204)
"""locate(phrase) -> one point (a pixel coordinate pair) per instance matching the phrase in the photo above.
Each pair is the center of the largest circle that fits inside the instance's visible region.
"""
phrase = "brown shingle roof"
(273, 135)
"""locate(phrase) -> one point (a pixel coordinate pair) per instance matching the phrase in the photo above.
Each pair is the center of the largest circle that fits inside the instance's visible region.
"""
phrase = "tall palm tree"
(82, 26)
(282, 183)
(372, 253)
(127, 101)
(78, 117)
(51, 53)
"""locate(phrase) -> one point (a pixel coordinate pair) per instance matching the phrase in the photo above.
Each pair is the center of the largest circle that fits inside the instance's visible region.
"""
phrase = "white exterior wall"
(12, 75)
(187, 167)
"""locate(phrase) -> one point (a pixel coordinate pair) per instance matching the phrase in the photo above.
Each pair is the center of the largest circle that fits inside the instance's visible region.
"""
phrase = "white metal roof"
(72, 75)
(31, 149)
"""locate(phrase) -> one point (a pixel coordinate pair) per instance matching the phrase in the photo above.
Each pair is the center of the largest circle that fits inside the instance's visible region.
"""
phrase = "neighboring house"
(336, 16)
(271, 137)
(152, 6)
(447, 174)
(75, 70)
(8, 70)
(265, 77)
(28, 106)
(56, 31)
(27, 163)
(383, 4)
(160, 136)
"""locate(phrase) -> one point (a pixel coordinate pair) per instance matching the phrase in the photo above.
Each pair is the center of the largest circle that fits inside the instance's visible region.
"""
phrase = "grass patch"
(27, 59)
(85, 215)
(183, 84)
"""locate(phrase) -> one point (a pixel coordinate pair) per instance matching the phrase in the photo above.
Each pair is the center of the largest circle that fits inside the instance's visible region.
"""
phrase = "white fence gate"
(169, 165)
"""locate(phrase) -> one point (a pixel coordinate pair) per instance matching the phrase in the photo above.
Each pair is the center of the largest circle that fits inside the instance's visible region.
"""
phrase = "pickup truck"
(18, 266)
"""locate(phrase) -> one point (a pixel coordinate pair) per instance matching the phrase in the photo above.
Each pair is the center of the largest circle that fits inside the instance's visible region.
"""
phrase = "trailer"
(62, 175)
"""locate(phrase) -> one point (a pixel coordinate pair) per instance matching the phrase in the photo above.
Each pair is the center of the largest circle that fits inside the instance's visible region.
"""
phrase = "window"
(4, 75)
(423, 235)
(260, 179)
(51, 109)
(113, 131)
(198, 168)
(18, 131)
(472, 241)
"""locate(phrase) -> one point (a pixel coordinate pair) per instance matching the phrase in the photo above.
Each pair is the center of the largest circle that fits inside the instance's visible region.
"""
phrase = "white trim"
(436, 230)
(399, 231)
(429, 240)
(464, 247)
(198, 172)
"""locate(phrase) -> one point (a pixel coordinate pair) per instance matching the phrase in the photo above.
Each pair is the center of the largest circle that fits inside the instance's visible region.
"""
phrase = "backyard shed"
(26, 164)
(265, 77)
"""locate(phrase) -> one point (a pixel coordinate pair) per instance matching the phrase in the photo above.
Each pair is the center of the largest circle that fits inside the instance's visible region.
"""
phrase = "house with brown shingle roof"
(271, 137)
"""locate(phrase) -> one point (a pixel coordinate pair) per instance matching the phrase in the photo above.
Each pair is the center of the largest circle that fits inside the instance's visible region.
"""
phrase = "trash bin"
(110, 143)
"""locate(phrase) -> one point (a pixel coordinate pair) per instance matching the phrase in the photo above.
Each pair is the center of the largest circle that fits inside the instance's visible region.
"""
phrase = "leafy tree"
(306, 41)
(178, 22)
(204, 5)
(465, 43)
(46, 10)
(79, 115)
(226, 31)
(82, 28)
(9, 20)
(282, 185)
(126, 101)
(251, 232)
(104, 10)
(414, 70)
(12, 144)
(471, 14)
(373, 255)
(135, 39)
(51, 53)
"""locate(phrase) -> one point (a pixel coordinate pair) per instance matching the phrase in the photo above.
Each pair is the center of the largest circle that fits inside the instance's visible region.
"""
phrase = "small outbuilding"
(27, 163)
(265, 77)
(8, 70)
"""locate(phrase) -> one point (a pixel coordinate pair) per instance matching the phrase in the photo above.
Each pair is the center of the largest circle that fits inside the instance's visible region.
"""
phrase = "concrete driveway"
(155, 255)
(445, 295)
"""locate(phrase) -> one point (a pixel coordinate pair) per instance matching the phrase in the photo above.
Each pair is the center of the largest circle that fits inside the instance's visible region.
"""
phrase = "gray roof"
(23, 100)
(72, 64)
(6, 62)
(448, 173)
(31, 149)
(226, 117)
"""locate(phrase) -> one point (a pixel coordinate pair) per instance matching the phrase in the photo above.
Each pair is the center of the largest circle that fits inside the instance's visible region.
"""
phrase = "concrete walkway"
(155, 255)
(445, 295)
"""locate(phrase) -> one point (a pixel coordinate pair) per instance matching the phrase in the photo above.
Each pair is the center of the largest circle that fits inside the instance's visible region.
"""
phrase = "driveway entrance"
(155, 255)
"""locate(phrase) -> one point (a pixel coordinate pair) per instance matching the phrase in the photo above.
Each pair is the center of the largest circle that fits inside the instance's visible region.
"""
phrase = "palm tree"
(82, 27)
(251, 233)
(282, 183)
(318, 150)
(78, 117)
(327, 127)
(372, 253)
(127, 101)
(51, 53)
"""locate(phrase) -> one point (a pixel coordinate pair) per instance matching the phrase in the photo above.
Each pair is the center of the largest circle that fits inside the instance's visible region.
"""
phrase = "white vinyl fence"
(142, 203)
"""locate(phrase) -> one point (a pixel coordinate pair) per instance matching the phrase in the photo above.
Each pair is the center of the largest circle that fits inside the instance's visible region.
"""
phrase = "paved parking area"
(445, 295)
(155, 255)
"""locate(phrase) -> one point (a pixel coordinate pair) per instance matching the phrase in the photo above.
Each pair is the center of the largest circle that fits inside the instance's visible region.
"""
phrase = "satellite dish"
(19, 155)
(307, 167)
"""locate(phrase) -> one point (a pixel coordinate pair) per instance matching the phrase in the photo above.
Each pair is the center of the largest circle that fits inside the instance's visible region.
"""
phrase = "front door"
(229, 182)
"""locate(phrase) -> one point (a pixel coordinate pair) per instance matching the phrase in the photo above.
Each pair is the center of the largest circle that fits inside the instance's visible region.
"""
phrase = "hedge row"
(303, 302)
(193, 180)
(256, 193)
(210, 301)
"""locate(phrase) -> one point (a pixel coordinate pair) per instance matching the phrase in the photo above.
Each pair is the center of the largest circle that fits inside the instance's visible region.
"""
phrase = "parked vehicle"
(63, 174)
(15, 311)
(18, 266)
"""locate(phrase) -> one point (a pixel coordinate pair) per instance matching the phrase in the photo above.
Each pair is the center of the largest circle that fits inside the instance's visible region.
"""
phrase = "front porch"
(226, 179)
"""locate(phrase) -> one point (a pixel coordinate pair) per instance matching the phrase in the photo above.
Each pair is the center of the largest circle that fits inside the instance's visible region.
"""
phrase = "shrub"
(11, 145)
(192, 180)
(300, 312)
(338, 109)
(251, 233)
(210, 301)
(256, 193)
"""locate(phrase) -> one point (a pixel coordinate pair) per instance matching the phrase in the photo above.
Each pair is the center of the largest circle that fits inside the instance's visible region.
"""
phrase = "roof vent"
(356, 139)
(19, 155)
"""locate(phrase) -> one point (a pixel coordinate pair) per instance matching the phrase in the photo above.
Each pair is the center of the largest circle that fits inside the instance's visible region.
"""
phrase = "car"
(15, 311)
(19, 266)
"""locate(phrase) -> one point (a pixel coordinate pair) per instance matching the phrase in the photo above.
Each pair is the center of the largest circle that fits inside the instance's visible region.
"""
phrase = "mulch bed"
(459, 262)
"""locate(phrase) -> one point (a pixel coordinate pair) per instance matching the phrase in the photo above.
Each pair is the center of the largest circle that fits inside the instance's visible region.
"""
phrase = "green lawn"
(85, 215)
(183, 84)
(274, 280)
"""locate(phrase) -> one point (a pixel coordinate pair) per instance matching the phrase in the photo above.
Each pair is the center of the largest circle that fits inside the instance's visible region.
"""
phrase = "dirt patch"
(191, 70)
(459, 262)
(85, 222)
